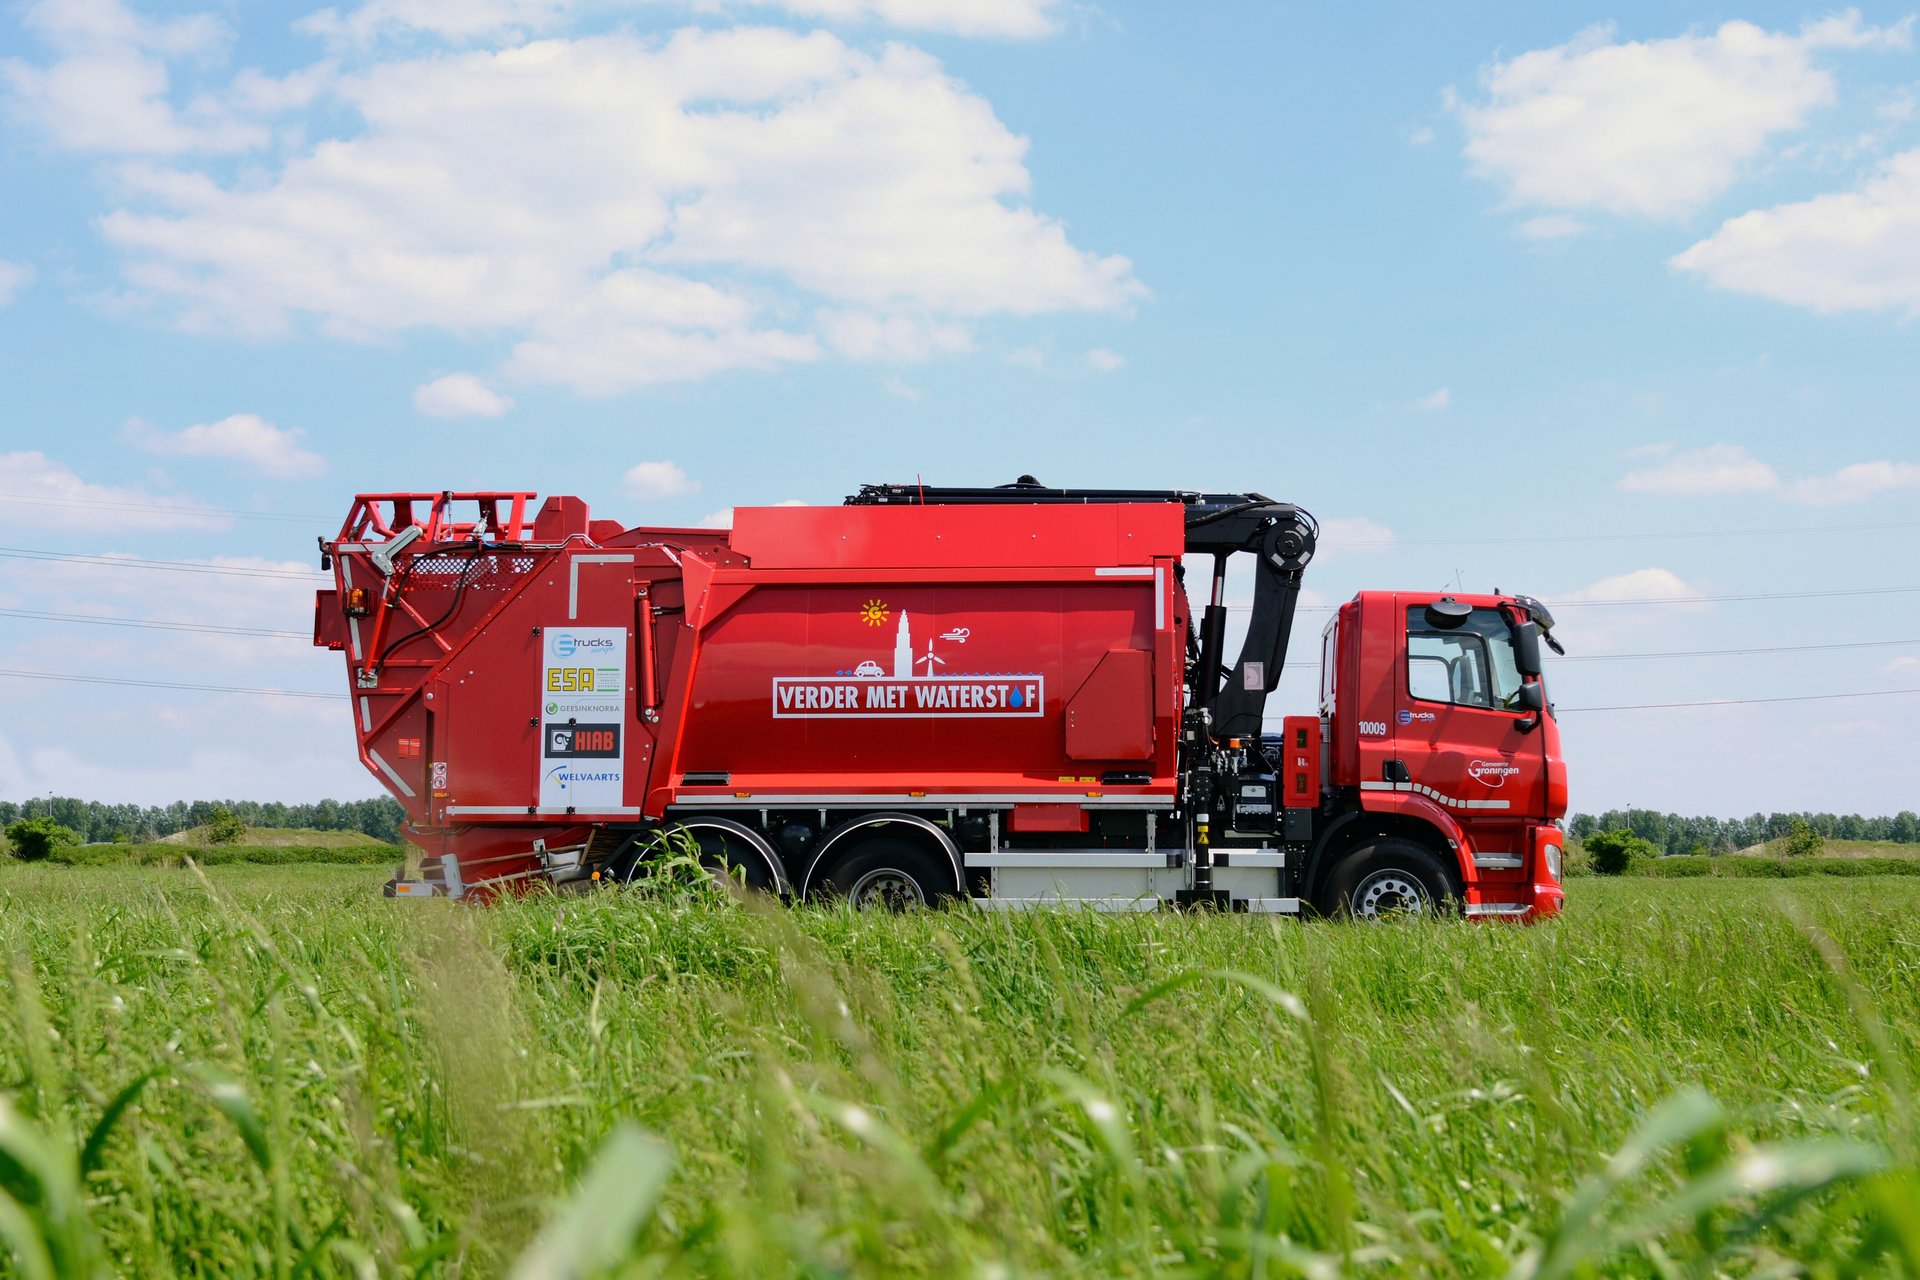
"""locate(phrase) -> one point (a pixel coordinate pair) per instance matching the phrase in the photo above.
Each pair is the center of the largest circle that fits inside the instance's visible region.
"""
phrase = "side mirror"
(1446, 613)
(1526, 648)
(1532, 696)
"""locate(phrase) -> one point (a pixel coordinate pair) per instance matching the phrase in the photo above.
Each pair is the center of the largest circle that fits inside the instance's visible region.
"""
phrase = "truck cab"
(1440, 739)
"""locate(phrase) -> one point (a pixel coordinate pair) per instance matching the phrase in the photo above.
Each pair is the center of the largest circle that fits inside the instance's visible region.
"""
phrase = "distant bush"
(1802, 840)
(173, 855)
(34, 839)
(1751, 867)
(225, 827)
(1615, 853)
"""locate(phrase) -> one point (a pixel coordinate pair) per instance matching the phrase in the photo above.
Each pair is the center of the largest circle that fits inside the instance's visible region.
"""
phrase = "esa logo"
(1373, 728)
(565, 645)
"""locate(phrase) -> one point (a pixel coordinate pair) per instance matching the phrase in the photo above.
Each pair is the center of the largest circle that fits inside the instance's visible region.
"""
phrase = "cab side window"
(1449, 667)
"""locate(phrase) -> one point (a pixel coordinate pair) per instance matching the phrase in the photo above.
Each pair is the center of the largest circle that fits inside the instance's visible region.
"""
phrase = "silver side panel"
(1067, 860)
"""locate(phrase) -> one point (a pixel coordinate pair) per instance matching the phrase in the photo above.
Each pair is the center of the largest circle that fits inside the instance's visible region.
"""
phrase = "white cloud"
(861, 335)
(108, 88)
(469, 21)
(723, 518)
(39, 493)
(1905, 667)
(1608, 615)
(1657, 585)
(630, 211)
(657, 480)
(895, 385)
(1421, 136)
(1717, 468)
(1434, 401)
(459, 395)
(1552, 226)
(457, 20)
(1006, 19)
(1846, 251)
(14, 277)
(1352, 535)
(1860, 482)
(1654, 128)
(245, 438)
(1106, 361)
(1729, 468)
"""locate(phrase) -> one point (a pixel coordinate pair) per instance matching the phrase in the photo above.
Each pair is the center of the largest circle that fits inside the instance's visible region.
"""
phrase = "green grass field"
(272, 1071)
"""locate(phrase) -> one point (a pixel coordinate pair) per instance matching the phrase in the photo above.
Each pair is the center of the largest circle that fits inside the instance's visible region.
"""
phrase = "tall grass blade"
(598, 1225)
(96, 1145)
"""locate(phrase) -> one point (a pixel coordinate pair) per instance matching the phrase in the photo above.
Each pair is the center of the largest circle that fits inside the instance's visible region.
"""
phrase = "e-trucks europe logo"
(917, 688)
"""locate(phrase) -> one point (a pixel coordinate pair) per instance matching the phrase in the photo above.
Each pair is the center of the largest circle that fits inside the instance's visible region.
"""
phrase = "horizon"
(1612, 307)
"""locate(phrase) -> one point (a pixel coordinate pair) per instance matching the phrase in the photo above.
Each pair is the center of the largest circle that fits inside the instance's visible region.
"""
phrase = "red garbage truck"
(1003, 696)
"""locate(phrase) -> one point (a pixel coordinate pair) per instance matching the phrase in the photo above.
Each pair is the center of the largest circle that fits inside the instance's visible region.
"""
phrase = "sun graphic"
(875, 613)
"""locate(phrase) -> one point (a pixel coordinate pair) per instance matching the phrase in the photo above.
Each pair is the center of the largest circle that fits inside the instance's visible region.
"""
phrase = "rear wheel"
(886, 875)
(1390, 879)
(723, 853)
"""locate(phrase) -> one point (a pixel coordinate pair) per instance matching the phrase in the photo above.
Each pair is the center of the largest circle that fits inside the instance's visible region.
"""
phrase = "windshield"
(1470, 666)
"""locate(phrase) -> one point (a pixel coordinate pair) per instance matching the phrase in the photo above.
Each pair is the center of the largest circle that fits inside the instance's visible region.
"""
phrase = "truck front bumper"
(1542, 902)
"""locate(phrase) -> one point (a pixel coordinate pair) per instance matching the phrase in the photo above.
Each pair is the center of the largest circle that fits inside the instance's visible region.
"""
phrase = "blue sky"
(1604, 304)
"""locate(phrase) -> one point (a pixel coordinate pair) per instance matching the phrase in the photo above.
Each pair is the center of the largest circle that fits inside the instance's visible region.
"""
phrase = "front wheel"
(1390, 879)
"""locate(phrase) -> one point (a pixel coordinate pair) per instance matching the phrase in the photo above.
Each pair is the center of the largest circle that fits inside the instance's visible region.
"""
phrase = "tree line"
(97, 822)
(381, 818)
(1674, 833)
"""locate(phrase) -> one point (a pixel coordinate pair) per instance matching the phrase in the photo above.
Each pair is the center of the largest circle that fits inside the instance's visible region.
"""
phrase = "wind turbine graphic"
(930, 659)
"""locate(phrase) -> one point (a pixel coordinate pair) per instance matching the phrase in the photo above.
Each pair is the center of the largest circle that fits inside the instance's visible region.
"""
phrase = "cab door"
(1465, 739)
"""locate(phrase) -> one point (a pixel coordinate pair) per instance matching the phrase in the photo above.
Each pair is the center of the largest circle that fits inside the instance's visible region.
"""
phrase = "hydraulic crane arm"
(1281, 538)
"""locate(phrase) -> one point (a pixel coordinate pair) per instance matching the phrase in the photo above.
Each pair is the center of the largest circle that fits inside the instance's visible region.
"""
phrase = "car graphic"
(868, 668)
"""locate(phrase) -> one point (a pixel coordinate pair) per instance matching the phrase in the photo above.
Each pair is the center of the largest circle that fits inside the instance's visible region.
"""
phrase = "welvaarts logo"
(920, 686)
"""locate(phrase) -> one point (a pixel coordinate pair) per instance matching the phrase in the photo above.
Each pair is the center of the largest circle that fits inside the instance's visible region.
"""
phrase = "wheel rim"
(1387, 895)
(886, 888)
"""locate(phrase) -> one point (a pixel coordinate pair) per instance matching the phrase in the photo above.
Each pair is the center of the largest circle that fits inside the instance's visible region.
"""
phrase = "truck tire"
(1388, 879)
(888, 875)
(718, 855)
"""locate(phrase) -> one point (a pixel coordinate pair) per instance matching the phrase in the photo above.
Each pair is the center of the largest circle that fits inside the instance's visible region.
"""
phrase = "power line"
(171, 566)
(154, 624)
(1667, 600)
(1625, 537)
(170, 508)
(167, 684)
(1730, 653)
(1738, 702)
(1757, 595)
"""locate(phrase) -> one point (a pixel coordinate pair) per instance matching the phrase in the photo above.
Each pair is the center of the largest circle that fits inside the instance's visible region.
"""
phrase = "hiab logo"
(583, 741)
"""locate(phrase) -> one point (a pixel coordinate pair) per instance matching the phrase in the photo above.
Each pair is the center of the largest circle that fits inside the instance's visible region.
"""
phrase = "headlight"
(1553, 862)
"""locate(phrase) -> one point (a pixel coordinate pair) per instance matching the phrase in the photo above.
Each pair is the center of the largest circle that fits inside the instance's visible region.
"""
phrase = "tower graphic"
(903, 650)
